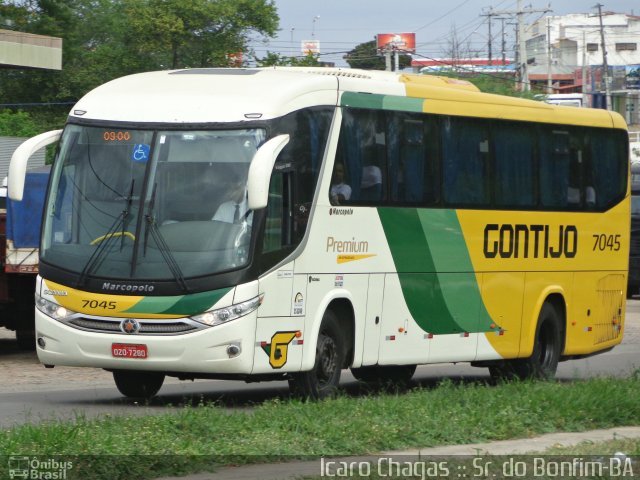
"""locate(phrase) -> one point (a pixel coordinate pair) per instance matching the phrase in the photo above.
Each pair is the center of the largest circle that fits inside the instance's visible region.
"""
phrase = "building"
(567, 51)
(26, 50)
(463, 66)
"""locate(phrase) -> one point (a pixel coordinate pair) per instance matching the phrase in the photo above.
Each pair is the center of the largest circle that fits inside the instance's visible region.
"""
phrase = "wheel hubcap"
(327, 363)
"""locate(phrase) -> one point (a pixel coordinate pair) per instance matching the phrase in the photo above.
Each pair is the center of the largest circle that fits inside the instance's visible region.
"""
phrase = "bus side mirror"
(19, 159)
(260, 171)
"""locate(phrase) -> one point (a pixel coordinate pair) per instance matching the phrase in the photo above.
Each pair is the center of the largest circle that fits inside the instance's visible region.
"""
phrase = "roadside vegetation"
(201, 437)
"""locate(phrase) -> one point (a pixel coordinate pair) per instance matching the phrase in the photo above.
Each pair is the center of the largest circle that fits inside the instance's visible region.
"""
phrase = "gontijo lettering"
(520, 241)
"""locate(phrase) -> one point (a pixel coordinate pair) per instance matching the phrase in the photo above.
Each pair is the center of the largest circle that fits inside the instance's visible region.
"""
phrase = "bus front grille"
(147, 327)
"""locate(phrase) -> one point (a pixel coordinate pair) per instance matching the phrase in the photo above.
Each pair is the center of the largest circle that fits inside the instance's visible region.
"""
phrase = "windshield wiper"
(165, 251)
(98, 253)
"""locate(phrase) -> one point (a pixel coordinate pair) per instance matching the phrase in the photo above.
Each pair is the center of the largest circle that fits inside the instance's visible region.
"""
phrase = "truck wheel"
(385, 374)
(543, 362)
(26, 339)
(323, 379)
(136, 384)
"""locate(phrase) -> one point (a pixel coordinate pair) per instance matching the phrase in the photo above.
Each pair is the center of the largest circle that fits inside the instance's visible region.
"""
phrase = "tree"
(366, 57)
(273, 59)
(198, 33)
(17, 124)
(105, 39)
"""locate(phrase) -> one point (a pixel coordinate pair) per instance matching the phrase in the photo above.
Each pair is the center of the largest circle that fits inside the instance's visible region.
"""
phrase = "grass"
(199, 438)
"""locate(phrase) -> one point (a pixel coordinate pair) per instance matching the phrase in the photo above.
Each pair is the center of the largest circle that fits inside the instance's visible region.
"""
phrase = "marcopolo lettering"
(123, 287)
(525, 241)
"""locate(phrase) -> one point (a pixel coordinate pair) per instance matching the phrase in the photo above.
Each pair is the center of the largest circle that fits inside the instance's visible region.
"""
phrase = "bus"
(565, 99)
(384, 221)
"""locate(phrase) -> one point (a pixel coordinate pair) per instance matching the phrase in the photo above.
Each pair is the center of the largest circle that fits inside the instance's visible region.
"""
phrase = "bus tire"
(385, 374)
(323, 379)
(136, 384)
(547, 347)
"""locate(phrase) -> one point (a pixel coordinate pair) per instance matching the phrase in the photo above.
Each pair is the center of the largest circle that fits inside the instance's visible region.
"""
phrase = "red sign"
(400, 41)
(128, 350)
(310, 47)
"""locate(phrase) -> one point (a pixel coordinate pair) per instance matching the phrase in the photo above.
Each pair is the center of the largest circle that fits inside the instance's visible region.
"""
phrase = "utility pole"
(605, 67)
(521, 50)
(549, 83)
(503, 45)
(489, 41)
(584, 69)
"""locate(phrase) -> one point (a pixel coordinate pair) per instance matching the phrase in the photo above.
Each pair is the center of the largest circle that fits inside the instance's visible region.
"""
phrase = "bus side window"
(361, 155)
(465, 154)
(277, 230)
(554, 168)
(513, 179)
(608, 161)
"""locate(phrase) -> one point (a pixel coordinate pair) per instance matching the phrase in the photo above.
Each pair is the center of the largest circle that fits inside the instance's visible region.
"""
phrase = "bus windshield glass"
(150, 204)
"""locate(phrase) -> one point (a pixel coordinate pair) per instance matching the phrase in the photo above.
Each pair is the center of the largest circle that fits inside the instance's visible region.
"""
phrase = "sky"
(340, 25)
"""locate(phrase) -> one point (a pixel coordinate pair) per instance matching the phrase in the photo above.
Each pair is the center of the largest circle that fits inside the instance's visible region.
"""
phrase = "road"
(31, 393)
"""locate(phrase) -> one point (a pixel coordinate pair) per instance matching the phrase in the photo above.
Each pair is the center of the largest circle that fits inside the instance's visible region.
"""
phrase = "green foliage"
(17, 124)
(105, 39)
(274, 60)
(499, 85)
(496, 84)
(451, 413)
(366, 57)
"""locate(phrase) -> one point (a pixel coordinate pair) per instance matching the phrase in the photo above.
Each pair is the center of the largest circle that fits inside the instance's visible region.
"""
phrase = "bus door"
(372, 320)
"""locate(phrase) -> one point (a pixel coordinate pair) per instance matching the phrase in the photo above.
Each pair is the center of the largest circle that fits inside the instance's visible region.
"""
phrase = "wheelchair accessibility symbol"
(140, 152)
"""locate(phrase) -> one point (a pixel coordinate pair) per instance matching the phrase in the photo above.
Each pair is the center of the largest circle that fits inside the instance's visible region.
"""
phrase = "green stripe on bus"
(381, 102)
(403, 104)
(184, 305)
(362, 100)
(435, 270)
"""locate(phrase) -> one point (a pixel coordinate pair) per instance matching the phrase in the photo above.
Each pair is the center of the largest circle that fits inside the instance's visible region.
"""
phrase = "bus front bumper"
(206, 351)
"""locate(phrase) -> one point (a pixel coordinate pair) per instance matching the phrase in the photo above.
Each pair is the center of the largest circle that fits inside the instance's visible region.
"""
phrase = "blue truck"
(19, 242)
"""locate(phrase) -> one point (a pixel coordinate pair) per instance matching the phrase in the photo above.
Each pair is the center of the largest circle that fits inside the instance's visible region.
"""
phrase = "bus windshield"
(149, 204)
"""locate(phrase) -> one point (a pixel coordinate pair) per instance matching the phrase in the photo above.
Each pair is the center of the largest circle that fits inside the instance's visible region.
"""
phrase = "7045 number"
(96, 304)
(602, 242)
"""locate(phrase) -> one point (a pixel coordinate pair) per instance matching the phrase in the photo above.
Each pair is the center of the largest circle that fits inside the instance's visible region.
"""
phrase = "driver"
(234, 210)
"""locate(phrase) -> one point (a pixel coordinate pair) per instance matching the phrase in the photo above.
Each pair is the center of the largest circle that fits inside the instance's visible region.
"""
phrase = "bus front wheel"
(323, 379)
(135, 384)
(543, 362)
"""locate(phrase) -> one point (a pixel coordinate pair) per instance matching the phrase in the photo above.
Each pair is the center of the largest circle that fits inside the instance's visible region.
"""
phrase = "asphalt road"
(31, 393)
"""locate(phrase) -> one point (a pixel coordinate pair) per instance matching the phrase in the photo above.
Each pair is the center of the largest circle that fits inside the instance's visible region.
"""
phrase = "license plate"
(129, 350)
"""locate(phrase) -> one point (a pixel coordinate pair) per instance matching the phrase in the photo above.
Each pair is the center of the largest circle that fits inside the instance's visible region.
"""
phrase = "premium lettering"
(530, 241)
(347, 246)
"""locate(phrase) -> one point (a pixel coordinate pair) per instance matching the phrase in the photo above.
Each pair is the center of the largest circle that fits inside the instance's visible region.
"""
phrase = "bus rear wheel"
(136, 384)
(543, 362)
(385, 374)
(323, 379)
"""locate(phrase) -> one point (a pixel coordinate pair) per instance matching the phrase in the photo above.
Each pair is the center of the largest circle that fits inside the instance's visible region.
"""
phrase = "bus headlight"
(55, 311)
(224, 315)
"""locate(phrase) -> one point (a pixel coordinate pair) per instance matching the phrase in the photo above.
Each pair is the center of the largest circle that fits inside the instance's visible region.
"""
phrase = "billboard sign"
(400, 41)
(309, 47)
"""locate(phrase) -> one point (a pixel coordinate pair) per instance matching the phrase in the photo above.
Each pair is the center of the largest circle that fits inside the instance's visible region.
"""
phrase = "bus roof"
(214, 95)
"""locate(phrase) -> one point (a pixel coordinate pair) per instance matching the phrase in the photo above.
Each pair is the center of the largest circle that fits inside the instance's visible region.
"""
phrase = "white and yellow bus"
(266, 224)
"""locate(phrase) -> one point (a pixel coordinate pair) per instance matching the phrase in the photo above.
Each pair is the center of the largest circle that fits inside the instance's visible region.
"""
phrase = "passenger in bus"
(234, 210)
(371, 183)
(340, 191)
